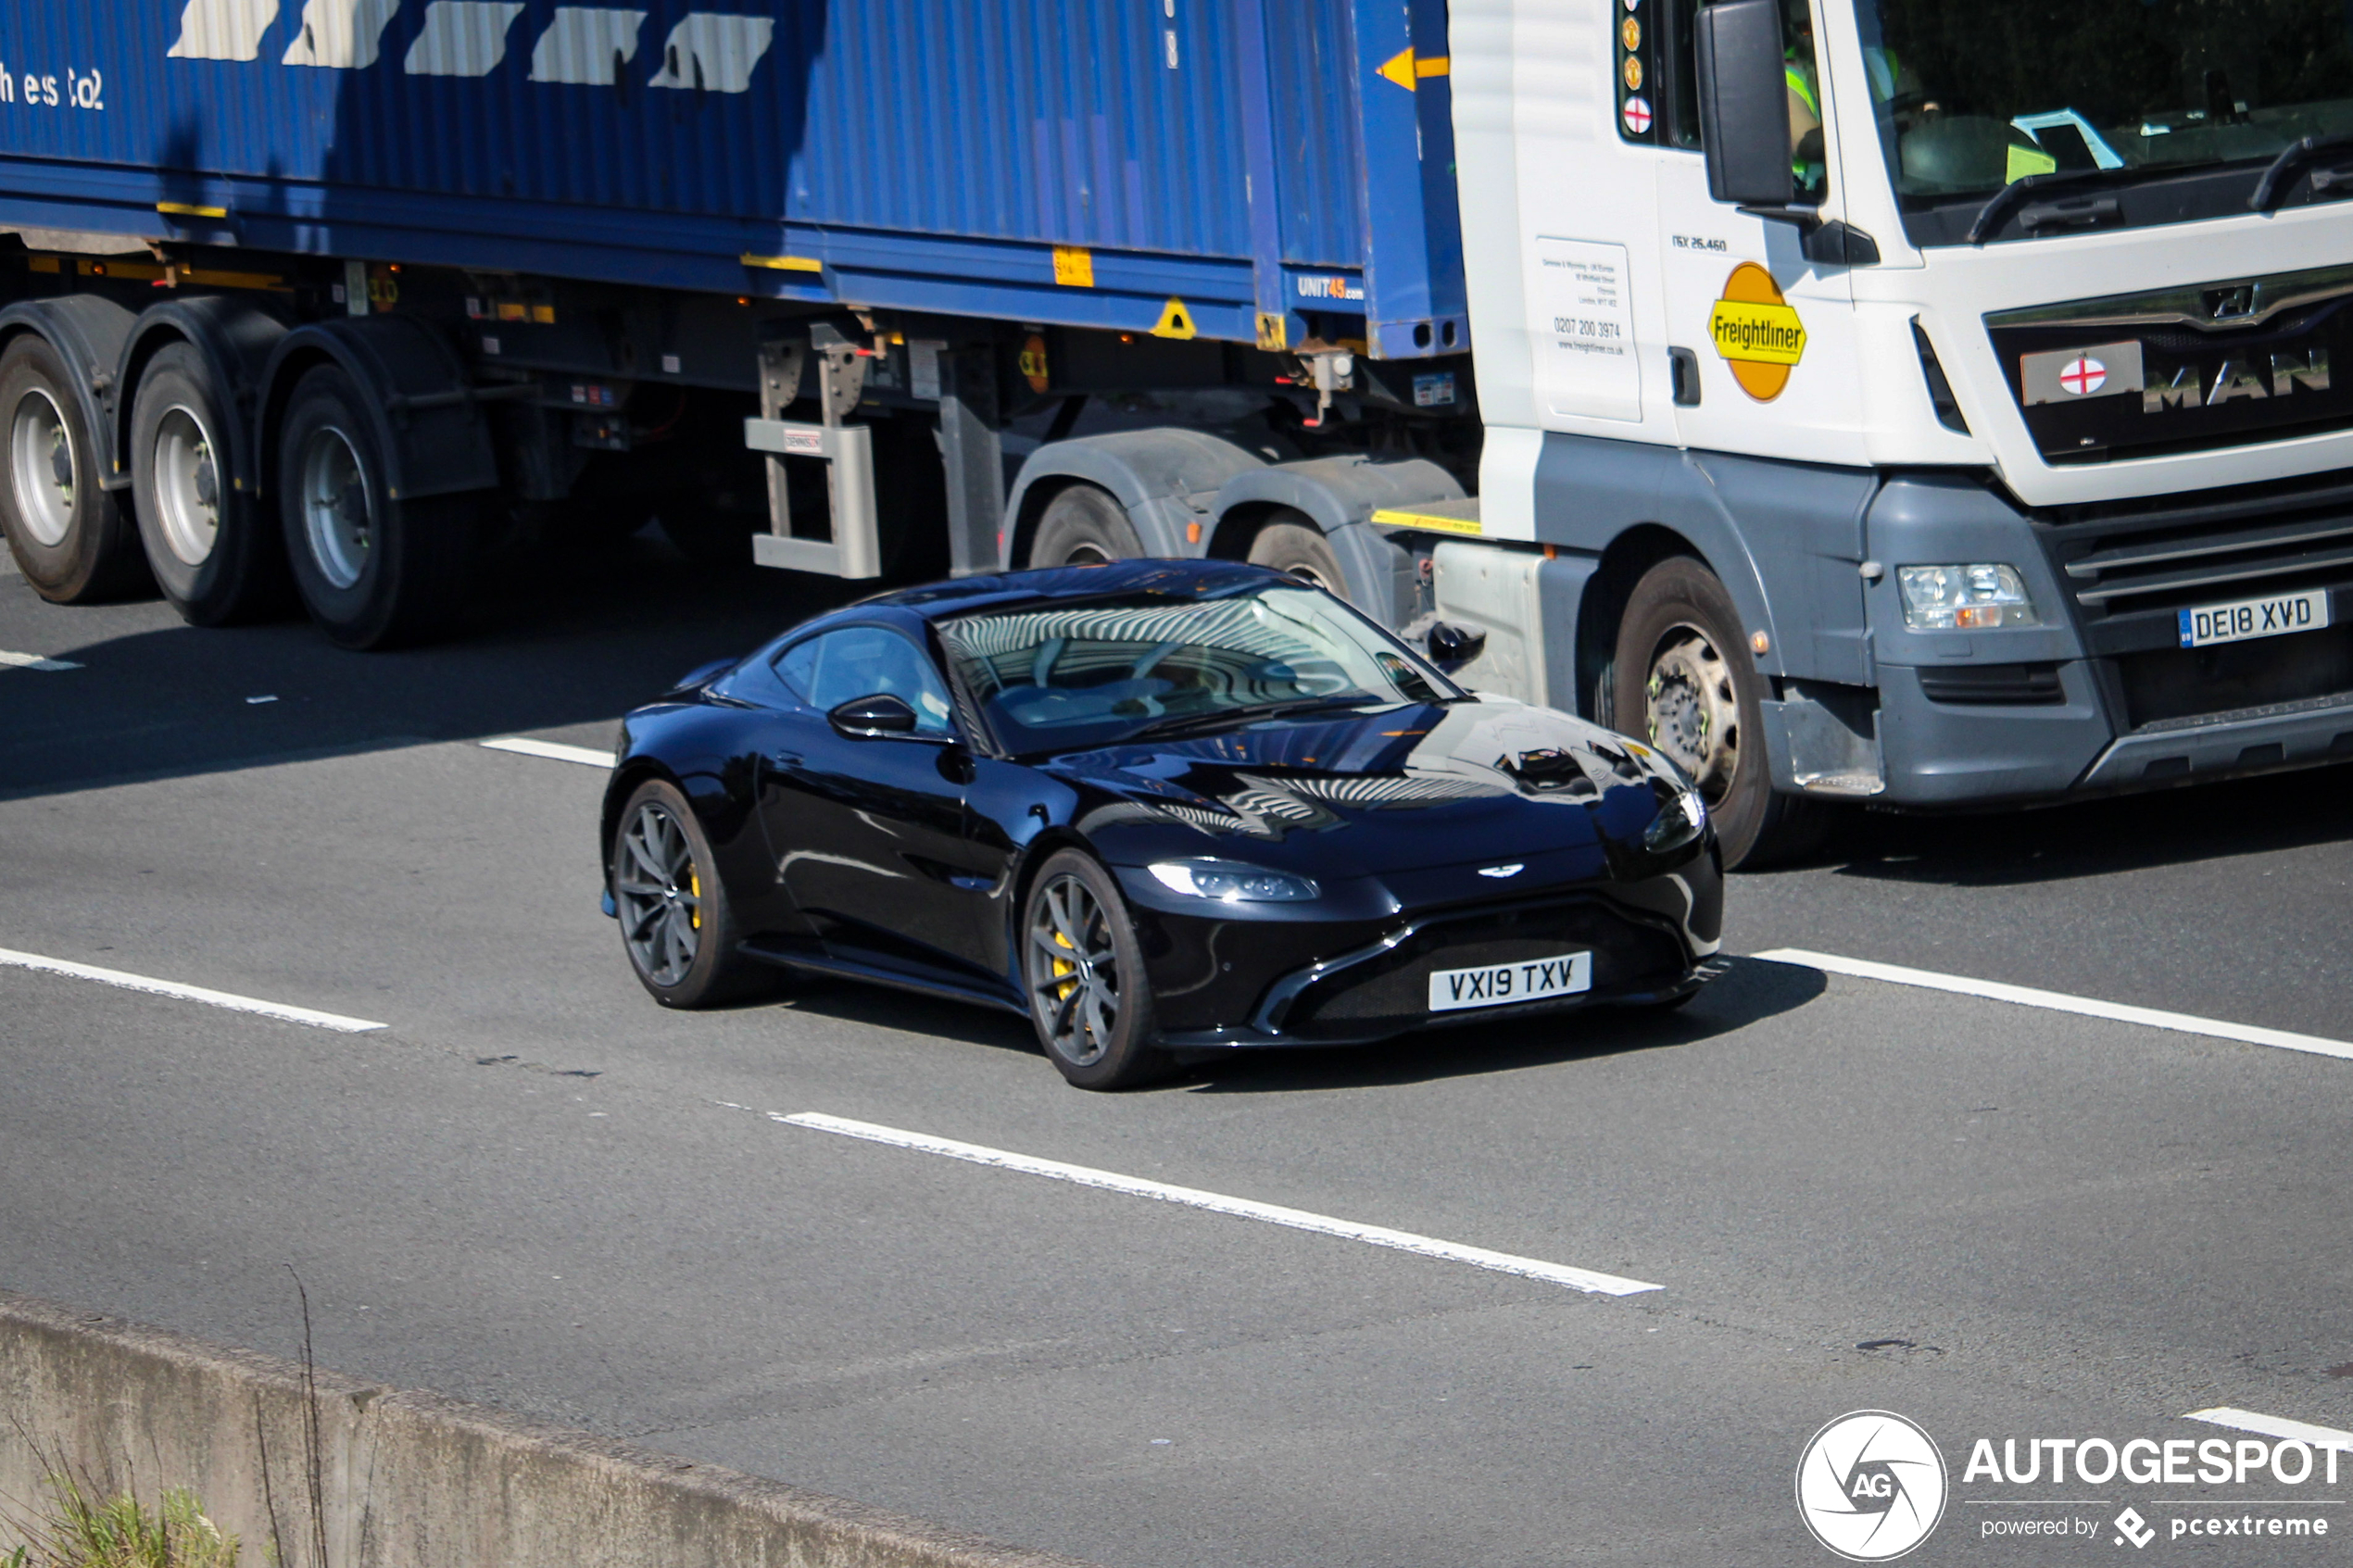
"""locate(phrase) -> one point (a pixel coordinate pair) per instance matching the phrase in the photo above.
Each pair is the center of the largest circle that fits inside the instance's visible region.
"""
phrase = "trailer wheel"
(1683, 681)
(1289, 541)
(70, 538)
(1084, 525)
(211, 554)
(374, 571)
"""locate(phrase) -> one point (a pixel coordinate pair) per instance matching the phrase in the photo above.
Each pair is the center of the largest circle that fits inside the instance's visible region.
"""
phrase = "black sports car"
(1152, 806)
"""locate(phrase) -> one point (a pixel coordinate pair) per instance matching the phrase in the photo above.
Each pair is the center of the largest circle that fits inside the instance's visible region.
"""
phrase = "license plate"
(1493, 986)
(2246, 618)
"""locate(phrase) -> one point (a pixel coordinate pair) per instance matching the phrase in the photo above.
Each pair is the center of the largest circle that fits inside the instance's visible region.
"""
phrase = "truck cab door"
(1763, 336)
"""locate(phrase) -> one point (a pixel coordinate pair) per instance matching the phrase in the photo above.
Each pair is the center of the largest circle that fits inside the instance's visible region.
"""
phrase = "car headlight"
(1964, 598)
(1231, 882)
(1681, 815)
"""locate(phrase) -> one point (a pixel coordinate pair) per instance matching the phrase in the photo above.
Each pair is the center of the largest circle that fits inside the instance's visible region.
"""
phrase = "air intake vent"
(1994, 685)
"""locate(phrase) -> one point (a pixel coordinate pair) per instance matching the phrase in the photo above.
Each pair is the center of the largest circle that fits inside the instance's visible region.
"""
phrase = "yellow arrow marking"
(1403, 68)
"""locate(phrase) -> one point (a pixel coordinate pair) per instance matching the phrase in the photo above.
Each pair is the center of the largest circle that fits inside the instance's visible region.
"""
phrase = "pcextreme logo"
(1870, 1486)
(1756, 331)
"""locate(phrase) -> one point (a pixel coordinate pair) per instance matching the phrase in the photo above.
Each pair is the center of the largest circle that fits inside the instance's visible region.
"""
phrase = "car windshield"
(1066, 676)
(1971, 97)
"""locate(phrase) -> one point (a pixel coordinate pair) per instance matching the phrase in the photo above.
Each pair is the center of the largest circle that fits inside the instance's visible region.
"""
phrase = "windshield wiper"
(1221, 717)
(2289, 164)
(1998, 207)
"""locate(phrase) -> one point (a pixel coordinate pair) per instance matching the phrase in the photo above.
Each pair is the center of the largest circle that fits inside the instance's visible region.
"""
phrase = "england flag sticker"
(1638, 114)
(2069, 375)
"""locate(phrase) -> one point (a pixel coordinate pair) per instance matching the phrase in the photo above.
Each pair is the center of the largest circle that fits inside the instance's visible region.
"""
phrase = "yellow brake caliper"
(1063, 967)
(693, 886)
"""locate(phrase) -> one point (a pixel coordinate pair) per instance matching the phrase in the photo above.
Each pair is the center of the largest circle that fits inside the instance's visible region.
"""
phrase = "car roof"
(1021, 590)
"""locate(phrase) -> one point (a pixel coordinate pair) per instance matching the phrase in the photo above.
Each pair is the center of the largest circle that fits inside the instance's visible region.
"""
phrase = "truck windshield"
(1973, 96)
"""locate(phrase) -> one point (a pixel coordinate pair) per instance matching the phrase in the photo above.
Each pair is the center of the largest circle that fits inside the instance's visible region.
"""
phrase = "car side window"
(825, 671)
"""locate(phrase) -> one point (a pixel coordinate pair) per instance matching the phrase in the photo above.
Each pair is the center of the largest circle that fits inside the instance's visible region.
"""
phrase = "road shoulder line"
(2059, 1002)
(174, 988)
(2274, 1426)
(1240, 1207)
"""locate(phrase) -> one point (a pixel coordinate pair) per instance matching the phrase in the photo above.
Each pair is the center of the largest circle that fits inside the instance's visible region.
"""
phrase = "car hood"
(1390, 790)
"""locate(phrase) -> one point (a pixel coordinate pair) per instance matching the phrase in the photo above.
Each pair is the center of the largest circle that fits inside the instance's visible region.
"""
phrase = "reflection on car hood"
(1396, 788)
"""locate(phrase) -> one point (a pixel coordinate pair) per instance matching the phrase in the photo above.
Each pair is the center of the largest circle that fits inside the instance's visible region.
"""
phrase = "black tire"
(217, 560)
(677, 926)
(73, 540)
(1289, 541)
(1683, 681)
(375, 572)
(1084, 525)
(1075, 908)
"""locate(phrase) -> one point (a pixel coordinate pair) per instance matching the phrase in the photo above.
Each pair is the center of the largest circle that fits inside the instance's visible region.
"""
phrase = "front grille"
(1628, 956)
(2004, 685)
(2132, 566)
(2178, 683)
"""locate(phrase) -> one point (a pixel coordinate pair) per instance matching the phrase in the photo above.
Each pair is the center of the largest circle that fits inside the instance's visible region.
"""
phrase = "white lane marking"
(555, 751)
(2058, 1001)
(34, 661)
(1240, 1207)
(316, 1019)
(2274, 1426)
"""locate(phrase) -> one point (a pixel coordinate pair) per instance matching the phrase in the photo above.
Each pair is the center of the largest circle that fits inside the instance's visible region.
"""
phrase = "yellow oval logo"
(1756, 331)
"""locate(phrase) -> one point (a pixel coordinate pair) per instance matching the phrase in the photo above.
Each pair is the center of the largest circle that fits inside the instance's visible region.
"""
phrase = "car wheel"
(71, 540)
(1291, 543)
(1084, 975)
(375, 571)
(676, 924)
(211, 554)
(1683, 681)
(1084, 525)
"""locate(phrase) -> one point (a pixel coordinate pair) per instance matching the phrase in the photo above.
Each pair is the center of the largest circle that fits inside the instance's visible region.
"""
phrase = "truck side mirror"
(1743, 103)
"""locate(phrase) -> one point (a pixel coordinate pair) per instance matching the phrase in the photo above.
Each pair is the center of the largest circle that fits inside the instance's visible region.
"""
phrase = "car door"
(868, 831)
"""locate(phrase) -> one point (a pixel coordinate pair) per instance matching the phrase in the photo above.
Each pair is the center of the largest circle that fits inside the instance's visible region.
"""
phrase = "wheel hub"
(1694, 709)
(41, 469)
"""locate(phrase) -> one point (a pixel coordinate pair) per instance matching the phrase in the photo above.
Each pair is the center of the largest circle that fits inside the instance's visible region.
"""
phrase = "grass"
(82, 1528)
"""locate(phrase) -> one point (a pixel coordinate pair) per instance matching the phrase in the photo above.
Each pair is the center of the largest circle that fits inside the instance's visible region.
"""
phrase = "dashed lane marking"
(1240, 1207)
(2275, 1426)
(555, 751)
(2058, 1001)
(154, 987)
(34, 661)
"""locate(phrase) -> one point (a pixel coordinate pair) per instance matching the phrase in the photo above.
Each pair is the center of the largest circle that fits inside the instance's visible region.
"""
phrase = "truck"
(1877, 402)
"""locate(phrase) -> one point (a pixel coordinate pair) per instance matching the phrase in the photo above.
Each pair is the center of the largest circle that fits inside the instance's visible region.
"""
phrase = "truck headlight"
(1964, 598)
(1231, 882)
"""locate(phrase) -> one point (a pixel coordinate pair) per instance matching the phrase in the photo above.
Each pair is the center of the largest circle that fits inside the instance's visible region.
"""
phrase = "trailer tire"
(73, 540)
(1084, 525)
(375, 572)
(1291, 543)
(1682, 678)
(215, 558)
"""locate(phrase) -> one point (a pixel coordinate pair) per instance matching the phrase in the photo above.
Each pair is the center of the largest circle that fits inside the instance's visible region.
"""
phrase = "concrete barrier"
(404, 1479)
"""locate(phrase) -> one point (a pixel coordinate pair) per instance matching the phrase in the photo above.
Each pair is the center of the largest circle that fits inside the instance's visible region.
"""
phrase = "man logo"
(1870, 1486)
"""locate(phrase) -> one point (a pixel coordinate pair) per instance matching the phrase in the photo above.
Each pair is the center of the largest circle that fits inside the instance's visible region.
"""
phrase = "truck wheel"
(1683, 681)
(1289, 541)
(211, 554)
(375, 572)
(1084, 525)
(70, 539)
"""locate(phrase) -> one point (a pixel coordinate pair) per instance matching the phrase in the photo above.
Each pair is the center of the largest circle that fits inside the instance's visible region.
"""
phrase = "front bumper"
(1349, 983)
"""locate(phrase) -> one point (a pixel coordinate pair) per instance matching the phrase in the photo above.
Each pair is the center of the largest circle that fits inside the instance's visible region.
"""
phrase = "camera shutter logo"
(1870, 1486)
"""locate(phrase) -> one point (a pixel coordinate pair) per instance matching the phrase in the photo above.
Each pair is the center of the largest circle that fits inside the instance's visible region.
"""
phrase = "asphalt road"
(536, 1189)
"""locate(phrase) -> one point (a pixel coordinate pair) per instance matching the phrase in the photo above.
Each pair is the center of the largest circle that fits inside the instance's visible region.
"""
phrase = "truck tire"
(213, 555)
(1683, 680)
(1289, 541)
(70, 538)
(1084, 525)
(375, 572)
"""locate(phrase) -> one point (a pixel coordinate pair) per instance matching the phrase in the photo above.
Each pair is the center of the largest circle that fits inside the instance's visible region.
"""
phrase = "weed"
(82, 1528)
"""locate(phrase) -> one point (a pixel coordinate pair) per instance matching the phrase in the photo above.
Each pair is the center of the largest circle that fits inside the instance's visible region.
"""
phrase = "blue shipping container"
(1232, 166)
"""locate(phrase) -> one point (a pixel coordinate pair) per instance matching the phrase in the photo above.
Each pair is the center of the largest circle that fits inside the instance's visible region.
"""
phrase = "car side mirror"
(869, 718)
(1452, 647)
(1743, 102)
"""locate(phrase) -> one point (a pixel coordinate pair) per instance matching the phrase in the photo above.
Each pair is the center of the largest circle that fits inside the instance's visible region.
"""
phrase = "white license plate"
(1495, 985)
(2247, 618)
